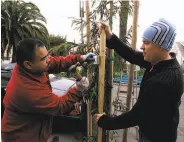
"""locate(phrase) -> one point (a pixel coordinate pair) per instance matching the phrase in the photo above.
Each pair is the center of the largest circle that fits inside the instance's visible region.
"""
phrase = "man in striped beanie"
(160, 36)
(156, 111)
(161, 33)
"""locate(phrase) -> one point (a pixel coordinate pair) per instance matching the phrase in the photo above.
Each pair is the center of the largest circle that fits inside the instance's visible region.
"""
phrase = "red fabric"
(30, 104)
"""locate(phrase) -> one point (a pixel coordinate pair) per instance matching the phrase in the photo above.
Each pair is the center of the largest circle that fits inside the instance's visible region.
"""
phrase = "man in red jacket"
(29, 102)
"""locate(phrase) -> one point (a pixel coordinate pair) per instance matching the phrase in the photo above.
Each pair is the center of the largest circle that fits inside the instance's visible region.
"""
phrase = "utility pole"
(130, 81)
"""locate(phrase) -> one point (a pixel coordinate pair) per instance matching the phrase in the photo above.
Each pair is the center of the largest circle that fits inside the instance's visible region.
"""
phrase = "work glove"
(90, 57)
(83, 84)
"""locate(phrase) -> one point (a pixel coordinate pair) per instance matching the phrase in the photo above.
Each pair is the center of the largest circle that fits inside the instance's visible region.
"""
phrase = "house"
(178, 48)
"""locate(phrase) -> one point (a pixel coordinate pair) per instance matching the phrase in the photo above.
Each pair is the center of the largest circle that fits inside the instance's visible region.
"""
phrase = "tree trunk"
(131, 73)
(122, 35)
(14, 42)
(4, 43)
(123, 20)
(123, 14)
(109, 75)
(14, 53)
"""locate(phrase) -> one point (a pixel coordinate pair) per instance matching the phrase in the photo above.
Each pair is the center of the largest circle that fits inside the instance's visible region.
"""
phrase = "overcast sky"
(58, 11)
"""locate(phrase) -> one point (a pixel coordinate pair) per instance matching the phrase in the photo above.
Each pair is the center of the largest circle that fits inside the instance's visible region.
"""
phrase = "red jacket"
(30, 104)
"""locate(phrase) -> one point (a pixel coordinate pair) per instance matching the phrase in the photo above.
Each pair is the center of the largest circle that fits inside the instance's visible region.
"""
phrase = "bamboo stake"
(130, 81)
(89, 118)
(88, 22)
(101, 79)
(89, 102)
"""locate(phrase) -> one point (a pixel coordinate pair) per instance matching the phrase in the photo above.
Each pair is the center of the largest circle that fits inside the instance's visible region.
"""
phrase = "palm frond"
(21, 20)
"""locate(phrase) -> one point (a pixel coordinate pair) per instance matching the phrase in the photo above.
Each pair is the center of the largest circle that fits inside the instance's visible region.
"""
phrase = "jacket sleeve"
(126, 52)
(62, 63)
(125, 120)
(122, 121)
(51, 104)
(149, 105)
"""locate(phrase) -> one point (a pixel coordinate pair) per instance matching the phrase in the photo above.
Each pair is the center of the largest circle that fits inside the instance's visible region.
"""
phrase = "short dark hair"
(25, 49)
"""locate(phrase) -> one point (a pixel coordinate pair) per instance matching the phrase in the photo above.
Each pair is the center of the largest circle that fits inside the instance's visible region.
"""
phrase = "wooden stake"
(88, 22)
(89, 103)
(89, 118)
(101, 79)
(130, 81)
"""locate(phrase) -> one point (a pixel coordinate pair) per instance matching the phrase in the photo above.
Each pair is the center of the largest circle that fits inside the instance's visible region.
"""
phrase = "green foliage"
(141, 72)
(59, 46)
(100, 11)
(20, 20)
(59, 50)
(56, 40)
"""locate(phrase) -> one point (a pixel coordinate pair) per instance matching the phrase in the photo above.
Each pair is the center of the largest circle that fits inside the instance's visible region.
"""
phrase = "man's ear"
(27, 65)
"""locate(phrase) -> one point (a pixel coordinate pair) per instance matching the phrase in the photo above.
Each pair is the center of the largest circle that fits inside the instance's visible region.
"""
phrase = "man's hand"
(78, 107)
(90, 57)
(97, 116)
(83, 84)
(76, 110)
(106, 27)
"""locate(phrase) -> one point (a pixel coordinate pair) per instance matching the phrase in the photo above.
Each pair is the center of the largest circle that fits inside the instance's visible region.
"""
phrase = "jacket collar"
(172, 63)
(43, 78)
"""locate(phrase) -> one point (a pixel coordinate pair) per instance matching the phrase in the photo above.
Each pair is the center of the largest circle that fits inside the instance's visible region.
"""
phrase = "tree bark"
(131, 73)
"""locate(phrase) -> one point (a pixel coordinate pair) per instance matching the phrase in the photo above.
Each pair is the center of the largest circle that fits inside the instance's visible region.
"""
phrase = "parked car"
(75, 120)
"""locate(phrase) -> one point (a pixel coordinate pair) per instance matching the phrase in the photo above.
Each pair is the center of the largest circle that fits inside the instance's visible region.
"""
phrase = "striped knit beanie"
(161, 33)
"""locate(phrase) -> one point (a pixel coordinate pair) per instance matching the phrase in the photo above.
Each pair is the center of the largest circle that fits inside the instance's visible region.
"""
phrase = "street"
(116, 135)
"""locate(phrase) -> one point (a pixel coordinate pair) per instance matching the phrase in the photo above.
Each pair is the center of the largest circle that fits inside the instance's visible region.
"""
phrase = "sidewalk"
(132, 135)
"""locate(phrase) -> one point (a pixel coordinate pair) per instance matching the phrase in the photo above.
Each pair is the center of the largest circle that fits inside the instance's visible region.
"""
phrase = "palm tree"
(20, 20)
(59, 45)
(56, 40)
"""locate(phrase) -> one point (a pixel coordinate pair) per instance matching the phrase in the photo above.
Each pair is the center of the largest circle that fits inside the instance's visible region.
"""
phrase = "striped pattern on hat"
(162, 33)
